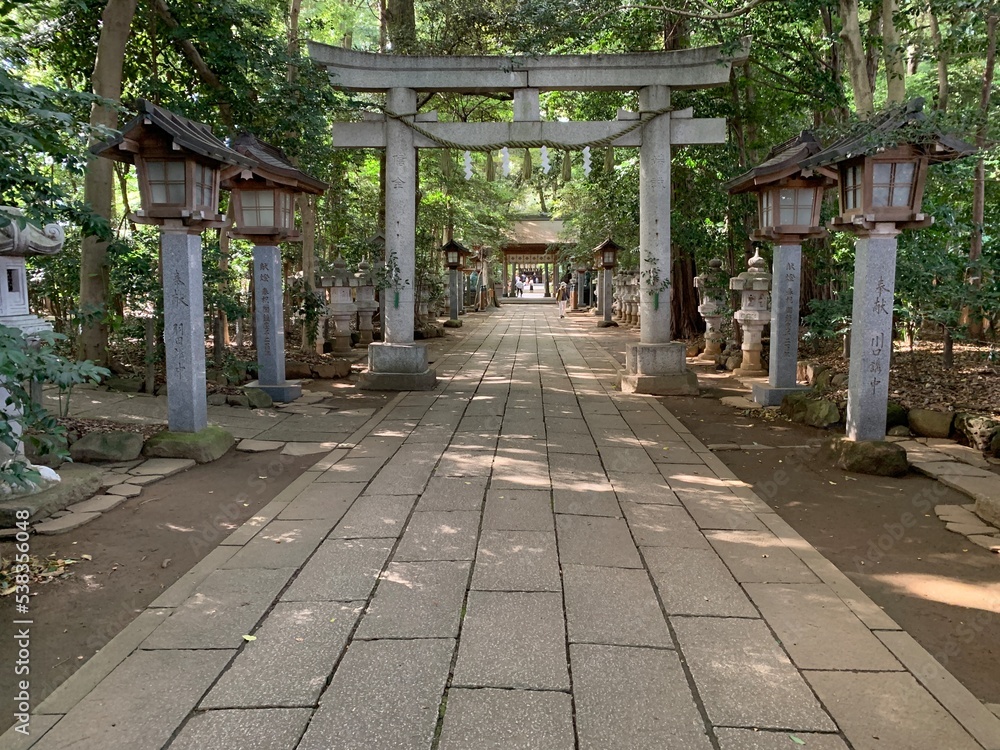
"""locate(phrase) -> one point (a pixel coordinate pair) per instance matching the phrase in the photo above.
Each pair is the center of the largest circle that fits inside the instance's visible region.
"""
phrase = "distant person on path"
(518, 288)
(562, 294)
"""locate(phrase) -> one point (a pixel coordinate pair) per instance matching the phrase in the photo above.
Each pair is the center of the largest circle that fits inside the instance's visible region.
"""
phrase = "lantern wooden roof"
(608, 244)
(904, 125)
(271, 165)
(782, 162)
(158, 128)
(455, 245)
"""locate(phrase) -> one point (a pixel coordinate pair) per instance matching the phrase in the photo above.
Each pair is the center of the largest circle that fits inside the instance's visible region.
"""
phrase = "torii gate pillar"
(397, 363)
(655, 365)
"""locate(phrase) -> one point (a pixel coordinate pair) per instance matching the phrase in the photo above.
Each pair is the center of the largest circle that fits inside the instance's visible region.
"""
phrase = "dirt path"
(882, 533)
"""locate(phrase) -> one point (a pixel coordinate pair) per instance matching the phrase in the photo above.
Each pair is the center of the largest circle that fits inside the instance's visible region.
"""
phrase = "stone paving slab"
(817, 629)
(590, 540)
(340, 570)
(350, 469)
(586, 502)
(644, 489)
(417, 600)
(517, 561)
(614, 606)
(439, 535)
(106, 718)
(328, 501)
(513, 640)
(759, 557)
(459, 462)
(375, 516)
(750, 739)
(889, 709)
(627, 460)
(224, 608)
(384, 694)
(453, 493)
(281, 544)
(62, 524)
(260, 729)
(696, 582)
(163, 467)
(518, 510)
(507, 720)
(745, 679)
(297, 646)
(663, 526)
(634, 699)
(719, 510)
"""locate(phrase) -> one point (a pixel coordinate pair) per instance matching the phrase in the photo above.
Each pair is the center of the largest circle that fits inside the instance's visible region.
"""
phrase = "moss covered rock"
(205, 446)
(875, 457)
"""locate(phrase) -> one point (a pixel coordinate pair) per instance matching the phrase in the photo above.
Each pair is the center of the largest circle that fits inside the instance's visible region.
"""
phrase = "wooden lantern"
(788, 197)
(882, 169)
(454, 254)
(263, 195)
(606, 254)
(178, 163)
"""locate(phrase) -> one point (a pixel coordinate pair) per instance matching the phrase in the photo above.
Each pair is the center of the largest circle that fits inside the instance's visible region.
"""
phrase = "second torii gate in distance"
(654, 365)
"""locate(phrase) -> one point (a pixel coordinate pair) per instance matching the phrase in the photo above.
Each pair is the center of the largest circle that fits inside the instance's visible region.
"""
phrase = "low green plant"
(22, 362)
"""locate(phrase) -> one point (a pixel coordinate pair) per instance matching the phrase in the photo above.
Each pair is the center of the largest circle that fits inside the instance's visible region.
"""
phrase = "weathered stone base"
(875, 457)
(742, 372)
(397, 367)
(452, 323)
(606, 324)
(988, 508)
(287, 391)
(78, 482)
(769, 395)
(203, 446)
(659, 370)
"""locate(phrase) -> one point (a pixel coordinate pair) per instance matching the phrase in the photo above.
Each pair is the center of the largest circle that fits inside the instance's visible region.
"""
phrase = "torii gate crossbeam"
(654, 365)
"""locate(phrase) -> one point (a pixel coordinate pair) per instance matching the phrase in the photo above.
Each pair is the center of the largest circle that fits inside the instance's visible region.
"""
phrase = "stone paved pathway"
(522, 559)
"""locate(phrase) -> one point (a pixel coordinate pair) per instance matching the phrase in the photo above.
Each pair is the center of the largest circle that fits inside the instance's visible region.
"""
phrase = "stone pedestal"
(786, 275)
(454, 295)
(754, 313)
(268, 301)
(184, 331)
(341, 306)
(659, 369)
(710, 293)
(607, 300)
(581, 283)
(397, 367)
(871, 334)
(366, 304)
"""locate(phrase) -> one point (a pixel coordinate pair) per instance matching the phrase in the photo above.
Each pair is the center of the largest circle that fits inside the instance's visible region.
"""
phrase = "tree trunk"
(401, 27)
(895, 66)
(294, 11)
(857, 62)
(944, 89)
(98, 190)
(979, 185)
(307, 207)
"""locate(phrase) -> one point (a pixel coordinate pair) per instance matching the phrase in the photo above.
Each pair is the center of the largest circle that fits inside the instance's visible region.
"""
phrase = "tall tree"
(116, 24)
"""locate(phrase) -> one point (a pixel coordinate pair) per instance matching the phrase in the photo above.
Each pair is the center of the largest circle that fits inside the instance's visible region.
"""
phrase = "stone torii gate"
(654, 365)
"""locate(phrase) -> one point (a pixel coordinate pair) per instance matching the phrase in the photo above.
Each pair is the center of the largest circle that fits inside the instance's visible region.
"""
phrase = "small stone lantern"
(263, 206)
(178, 163)
(454, 254)
(754, 286)
(882, 171)
(606, 256)
(711, 309)
(581, 283)
(789, 199)
(341, 306)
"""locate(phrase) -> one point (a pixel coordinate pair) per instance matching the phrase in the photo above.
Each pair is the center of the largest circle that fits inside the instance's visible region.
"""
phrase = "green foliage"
(22, 362)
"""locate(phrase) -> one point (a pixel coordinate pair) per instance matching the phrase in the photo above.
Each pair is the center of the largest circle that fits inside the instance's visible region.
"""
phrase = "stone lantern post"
(711, 309)
(178, 163)
(882, 173)
(341, 306)
(263, 198)
(365, 302)
(754, 286)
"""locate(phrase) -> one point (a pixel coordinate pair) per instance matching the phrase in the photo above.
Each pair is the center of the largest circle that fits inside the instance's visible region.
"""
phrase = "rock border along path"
(522, 558)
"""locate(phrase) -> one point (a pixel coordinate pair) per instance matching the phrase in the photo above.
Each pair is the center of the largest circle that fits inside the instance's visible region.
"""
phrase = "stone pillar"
(655, 365)
(581, 282)
(270, 322)
(505, 278)
(871, 333)
(184, 330)
(710, 309)
(453, 298)
(754, 313)
(397, 362)
(607, 299)
(633, 299)
(619, 296)
(786, 279)
(366, 304)
(341, 306)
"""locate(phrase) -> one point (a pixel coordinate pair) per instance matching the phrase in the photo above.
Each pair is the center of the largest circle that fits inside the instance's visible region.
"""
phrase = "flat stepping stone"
(950, 468)
(968, 529)
(739, 402)
(63, 524)
(125, 490)
(164, 467)
(965, 454)
(307, 449)
(259, 446)
(992, 543)
(97, 504)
